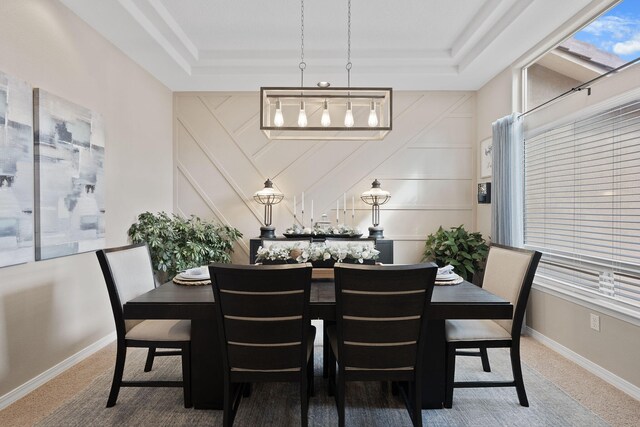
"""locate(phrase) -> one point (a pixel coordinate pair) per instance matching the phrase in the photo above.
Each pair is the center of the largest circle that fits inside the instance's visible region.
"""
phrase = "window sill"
(593, 301)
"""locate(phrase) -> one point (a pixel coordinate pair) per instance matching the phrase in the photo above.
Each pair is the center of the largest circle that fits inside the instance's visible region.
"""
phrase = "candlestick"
(311, 212)
(344, 206)
(338, 211)
(294, 208)
(353, 210)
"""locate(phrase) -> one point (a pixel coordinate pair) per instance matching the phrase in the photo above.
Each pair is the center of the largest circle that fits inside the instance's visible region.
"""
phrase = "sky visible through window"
(617, 31)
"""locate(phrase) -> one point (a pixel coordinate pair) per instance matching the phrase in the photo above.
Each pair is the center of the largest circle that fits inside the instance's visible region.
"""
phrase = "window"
(582, 203)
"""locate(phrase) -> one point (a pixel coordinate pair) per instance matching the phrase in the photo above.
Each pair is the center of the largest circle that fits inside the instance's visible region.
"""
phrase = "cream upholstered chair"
(508, 274)
(128, 273)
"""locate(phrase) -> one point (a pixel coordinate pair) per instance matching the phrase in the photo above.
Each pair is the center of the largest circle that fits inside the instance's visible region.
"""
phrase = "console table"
(385, 246)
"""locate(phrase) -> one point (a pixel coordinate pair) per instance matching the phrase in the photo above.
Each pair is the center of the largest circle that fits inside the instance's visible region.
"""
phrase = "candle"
(344, 206)
(353, 206)
(312, 212)
(302, 209)
(294, 206)
(338, 211)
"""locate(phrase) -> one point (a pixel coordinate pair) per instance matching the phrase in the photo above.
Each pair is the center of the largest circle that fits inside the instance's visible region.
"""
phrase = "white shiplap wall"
(426, 162)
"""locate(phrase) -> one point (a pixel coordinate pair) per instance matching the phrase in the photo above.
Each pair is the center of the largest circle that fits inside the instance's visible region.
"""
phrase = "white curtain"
(507, 204)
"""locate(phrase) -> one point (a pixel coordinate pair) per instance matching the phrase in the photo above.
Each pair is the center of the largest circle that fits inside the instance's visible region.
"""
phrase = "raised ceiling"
(244, 44)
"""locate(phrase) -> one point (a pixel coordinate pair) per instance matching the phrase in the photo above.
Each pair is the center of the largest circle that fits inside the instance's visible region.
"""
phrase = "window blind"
(582, 202)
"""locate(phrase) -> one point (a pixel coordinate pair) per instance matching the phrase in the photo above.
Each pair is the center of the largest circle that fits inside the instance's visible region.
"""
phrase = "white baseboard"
(595, 369)
(54, 371)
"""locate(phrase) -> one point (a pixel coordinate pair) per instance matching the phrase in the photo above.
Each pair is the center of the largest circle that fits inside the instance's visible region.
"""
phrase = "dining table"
(196, 303)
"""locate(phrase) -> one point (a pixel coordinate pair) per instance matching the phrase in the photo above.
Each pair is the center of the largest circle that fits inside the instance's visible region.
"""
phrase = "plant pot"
(364, 261)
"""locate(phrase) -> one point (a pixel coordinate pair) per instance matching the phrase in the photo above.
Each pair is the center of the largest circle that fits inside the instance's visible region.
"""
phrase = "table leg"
(207, 381)
(433, 367)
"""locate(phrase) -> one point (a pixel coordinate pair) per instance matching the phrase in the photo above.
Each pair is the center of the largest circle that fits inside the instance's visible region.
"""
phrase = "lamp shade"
(376, 195)
(268, 195)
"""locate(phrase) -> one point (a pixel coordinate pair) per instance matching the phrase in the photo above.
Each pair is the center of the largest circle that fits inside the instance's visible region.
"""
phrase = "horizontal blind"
(582, 202)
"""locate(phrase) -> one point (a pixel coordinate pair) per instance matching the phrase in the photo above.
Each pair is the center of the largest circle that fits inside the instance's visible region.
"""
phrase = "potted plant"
(178, 243)
(465, 251)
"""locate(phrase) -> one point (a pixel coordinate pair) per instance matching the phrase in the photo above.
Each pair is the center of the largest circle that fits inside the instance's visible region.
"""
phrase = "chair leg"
(485, 359)
(186, 374)
(227, 406)
(304, 400)
(340, 399)
(330, 365)
(417, 403)
(121, 355)
(450, 375)
(150, 355)
(326, 350)
(517, 375)
(310, 373)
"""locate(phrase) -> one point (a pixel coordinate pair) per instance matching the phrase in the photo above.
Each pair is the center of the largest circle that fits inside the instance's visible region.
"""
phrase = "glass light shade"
(376, 195)
(348, 117)
(373, 117)
(278, 120)
(268, 195)
(302, 116)
(326, 118)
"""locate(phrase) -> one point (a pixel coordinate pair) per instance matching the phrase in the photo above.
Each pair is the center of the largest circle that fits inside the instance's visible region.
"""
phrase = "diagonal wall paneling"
(222, 158)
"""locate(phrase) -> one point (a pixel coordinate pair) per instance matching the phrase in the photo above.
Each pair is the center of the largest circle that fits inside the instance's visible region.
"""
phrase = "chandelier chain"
(302, 64)
(348, 66)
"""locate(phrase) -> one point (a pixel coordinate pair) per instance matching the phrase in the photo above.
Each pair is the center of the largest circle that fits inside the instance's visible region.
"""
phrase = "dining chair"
(381, 315)
(128, 273)
(509, 274)
(264, 327)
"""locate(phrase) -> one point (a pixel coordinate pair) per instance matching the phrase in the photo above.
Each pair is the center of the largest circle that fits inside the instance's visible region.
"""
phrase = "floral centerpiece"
(322, 230)
(319, 253)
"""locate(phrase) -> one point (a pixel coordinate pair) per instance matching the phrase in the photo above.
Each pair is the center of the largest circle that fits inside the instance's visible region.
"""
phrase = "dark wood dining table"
(171, 301)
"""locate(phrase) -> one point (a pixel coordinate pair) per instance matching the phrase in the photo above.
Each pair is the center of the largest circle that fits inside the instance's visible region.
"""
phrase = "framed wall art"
(16, 171)
(486, 158)
(69, 177)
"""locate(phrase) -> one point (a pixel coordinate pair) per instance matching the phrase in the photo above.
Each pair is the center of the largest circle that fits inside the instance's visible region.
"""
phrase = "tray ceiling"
(242, 45)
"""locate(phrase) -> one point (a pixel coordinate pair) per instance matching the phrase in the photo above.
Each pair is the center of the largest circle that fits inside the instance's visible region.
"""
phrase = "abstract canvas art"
(69, 174)
(486, 158)
(16, 171)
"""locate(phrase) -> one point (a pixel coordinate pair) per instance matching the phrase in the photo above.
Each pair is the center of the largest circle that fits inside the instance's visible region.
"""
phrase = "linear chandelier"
(325, 113)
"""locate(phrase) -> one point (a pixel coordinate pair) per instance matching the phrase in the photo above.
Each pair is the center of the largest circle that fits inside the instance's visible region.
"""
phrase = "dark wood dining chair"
(381, 315)
(508, 274)
(128, 273)
(264, 327)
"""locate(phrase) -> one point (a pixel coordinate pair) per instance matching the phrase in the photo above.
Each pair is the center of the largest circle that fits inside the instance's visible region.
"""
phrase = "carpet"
(368, 404)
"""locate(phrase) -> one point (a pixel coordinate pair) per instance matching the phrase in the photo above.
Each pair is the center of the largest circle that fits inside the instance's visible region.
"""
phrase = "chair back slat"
(263, 315)
(402, 330)
(128, 273)
(509, 272)
(381, 315)
(399, 357)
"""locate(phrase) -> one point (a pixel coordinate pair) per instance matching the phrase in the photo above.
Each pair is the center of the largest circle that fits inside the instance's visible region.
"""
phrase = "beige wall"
(616, 348)
(544, 84)
(426, 162)
(493, 101)
(50, 310)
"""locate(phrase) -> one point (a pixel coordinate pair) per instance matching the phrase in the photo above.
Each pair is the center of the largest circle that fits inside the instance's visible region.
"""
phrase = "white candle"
(294, 206)
(337, 211)
(312, 212)
(353, 206)
(344, 206)
(302, 210)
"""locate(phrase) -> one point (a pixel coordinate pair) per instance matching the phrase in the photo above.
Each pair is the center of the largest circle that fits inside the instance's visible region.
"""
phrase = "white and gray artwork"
(16, 171)
(70, 185)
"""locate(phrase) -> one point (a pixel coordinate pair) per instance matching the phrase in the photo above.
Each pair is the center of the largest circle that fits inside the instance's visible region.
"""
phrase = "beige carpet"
(612, 405)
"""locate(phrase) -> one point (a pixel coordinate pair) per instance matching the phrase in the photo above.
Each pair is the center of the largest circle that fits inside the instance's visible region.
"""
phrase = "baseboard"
(595, 369)
(54, 371)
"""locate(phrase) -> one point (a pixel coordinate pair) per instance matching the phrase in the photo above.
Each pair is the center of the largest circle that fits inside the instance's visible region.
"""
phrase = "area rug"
(368, 404)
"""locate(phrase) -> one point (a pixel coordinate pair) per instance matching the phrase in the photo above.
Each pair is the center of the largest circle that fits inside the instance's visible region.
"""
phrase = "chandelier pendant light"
(323, 112)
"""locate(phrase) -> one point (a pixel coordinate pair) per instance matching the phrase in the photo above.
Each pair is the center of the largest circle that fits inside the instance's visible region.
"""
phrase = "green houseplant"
(178, 243)
(465, 251)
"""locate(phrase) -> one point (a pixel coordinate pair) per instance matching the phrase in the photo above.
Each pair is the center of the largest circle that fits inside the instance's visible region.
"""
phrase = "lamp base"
(268, 232)
(376, 232)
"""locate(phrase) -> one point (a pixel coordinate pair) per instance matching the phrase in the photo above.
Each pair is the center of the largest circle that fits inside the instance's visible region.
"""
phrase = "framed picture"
(16, 171)
(486, 158)
(69, 177)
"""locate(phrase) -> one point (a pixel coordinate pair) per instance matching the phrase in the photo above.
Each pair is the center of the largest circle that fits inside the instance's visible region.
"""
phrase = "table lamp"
(268, 197)
(375, 197)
